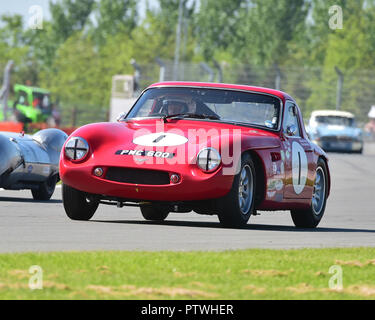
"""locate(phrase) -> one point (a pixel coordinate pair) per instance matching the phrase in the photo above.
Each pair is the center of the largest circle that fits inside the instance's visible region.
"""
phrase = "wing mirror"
(291, 130)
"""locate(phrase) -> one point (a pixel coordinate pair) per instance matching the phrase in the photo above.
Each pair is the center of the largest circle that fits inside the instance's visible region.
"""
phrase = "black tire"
(45, 190)
(311, 217)
(230, 213)
(154, 213)
(20, 117)
(76, 204)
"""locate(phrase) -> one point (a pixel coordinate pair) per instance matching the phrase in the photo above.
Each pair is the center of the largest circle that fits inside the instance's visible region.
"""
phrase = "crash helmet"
(174, 106)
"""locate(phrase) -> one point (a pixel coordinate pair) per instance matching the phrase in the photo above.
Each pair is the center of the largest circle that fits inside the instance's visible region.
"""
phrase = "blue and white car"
(335, 131)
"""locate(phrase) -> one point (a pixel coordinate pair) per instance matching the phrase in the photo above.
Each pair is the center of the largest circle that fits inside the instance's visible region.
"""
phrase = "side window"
(291, 119)
(22, 98)
(147, 108)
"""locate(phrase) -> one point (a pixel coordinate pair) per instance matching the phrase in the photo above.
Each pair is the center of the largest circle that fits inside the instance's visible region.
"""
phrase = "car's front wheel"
(310, 218)
(76, 204)
(235, 209)
(46, 189)
(154, 213)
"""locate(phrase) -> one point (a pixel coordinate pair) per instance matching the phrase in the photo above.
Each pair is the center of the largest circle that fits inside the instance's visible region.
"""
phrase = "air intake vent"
(137, 176)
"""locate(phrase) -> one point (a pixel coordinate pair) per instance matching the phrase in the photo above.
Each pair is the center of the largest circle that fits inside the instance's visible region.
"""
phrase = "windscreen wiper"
(190, 115)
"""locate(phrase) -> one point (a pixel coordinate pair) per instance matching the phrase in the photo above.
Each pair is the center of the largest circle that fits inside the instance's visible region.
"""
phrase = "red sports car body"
(213, 148)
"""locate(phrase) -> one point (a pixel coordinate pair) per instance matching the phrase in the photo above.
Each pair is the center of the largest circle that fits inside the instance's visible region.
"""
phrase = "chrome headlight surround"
(208, 160)
(76, 149)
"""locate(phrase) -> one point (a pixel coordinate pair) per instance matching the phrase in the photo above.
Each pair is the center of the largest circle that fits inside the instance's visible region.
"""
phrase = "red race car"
(216, 149)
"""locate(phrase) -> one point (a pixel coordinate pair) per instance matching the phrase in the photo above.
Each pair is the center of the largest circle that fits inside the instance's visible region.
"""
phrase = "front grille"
(337, 139)
(137, 176)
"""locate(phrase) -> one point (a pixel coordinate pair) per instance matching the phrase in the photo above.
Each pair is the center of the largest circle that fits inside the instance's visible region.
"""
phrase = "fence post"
(4, 92)
(162, 69)
(277, 78)
(178, 41)
(219, 71)
(206, 68)
(340, 83)
(137, 74)
(107, 115)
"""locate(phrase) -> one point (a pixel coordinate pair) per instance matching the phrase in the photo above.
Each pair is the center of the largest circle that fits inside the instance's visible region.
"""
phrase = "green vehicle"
(31, 104)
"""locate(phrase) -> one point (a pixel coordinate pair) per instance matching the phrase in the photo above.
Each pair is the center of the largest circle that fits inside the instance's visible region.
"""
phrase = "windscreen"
(221, 105)
(335, 120)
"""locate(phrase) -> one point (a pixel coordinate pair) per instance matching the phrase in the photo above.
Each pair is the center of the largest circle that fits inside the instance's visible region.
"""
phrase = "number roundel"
(160, 139)
(299, 167)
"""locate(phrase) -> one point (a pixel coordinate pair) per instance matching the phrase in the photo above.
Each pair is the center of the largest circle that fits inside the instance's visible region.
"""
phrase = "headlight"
(208, 159)
(76, 148)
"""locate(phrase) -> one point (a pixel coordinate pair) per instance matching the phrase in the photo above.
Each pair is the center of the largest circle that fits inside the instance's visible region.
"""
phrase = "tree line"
(86, 42)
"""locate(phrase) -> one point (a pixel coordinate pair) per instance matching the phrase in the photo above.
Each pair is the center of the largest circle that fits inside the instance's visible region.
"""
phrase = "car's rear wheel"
(76, 204)
(46, 189)
(154, 213)
(310, 218)
(235, 209)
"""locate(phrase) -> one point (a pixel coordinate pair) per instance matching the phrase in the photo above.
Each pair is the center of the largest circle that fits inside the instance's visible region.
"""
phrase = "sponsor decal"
(145, 153)
(279, 185)
(275, 185)
(287, 153)
(274, 168)
(274, 189)
(288, 150)
(271, 194)
(279, 197)
(282, 168)
(282, 155)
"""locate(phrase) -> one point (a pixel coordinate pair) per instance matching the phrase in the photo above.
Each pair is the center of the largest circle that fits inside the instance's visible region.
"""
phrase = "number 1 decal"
(160, 139)
(299, 168)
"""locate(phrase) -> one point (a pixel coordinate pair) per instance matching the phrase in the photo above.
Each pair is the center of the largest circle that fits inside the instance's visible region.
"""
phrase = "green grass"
(240, 274)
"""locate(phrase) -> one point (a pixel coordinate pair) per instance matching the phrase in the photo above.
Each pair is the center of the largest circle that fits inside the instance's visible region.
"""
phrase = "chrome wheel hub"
(319, 192)
(245, 189)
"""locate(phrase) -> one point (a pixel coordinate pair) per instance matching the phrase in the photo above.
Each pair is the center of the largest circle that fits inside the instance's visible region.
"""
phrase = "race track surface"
(43, 226)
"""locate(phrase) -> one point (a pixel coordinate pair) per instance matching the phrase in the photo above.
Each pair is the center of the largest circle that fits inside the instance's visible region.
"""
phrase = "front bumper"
(194, 185)
(346, 146)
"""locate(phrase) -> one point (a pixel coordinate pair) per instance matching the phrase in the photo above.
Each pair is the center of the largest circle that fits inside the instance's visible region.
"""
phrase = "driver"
(175, 107)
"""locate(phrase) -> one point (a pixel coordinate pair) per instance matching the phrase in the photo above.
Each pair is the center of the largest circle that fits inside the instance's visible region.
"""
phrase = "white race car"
(335, 131)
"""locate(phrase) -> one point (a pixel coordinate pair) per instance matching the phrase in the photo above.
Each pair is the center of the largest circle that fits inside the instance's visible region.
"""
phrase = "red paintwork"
(10, 126)
(105, 139)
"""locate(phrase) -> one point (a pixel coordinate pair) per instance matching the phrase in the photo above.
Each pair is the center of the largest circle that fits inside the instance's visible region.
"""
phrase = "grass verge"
(237, 274)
